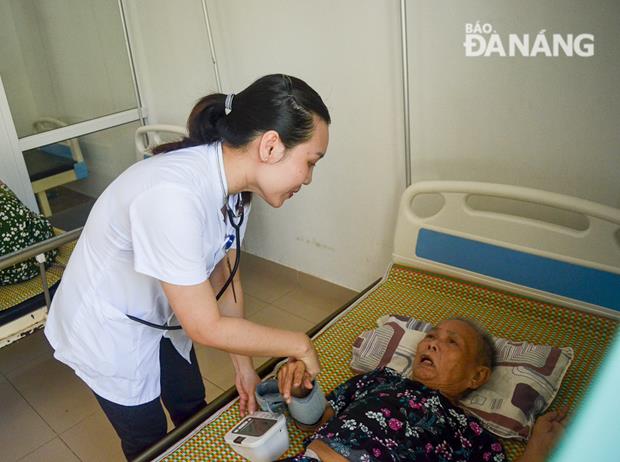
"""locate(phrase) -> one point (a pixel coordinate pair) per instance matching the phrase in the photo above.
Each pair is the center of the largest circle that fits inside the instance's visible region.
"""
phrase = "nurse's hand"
(311, 359)
(246, 381)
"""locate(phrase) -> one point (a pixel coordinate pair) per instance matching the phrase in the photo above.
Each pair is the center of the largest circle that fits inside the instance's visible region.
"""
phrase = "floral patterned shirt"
(382, 416)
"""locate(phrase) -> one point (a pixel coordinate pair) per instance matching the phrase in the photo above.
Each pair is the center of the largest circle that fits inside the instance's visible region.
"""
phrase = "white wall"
(542, 122)
(549, 123)
(172, 54)
(339, 228)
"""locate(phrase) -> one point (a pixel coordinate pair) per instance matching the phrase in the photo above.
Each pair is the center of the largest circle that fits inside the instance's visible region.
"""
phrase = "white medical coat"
(160, 220)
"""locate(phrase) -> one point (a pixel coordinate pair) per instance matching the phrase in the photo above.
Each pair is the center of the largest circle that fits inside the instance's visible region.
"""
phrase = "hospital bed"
(53, 165)
(149, 136)
(527, 264)
(24, 306)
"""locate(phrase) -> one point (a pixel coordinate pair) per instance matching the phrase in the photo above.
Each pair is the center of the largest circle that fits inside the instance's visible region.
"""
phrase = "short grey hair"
(486, 351)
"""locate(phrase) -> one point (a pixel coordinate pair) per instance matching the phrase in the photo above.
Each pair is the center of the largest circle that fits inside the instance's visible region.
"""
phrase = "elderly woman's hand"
(545, 434)
(293, 380)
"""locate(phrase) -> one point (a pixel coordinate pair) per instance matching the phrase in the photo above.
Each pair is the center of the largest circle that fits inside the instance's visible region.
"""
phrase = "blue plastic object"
(58, 150)
(81, 170)
(557, 277)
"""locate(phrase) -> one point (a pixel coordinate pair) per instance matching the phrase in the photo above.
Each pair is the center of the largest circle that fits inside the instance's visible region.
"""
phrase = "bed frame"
(55, 164)
(539, 244)
(544, 246)
(25, 316)
(149, 136)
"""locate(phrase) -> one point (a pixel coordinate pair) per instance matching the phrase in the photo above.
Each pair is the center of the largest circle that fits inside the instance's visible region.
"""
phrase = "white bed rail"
(22, 326)
(541, 223)
(149, 136)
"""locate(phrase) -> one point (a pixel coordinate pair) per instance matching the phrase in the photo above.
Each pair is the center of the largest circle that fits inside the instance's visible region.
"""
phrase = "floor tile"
(259, 361)
(327, 289)
(257, 264)
(55, 392)
(310, 305)
(215, 366)
(212, 390)
(169, 423)
(94, 440)
(54, 451)
(276, 317)
(266, 286)
(252, 304)
(22, 430)
(24, 351)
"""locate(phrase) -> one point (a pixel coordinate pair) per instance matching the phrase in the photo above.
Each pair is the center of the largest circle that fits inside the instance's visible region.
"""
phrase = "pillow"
(392, 344)
(523, 384)
(20, 228)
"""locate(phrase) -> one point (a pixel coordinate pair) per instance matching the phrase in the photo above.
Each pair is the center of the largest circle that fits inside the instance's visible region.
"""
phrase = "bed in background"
(527, 264)
(23, 306)
(53, 165)
(149, 136)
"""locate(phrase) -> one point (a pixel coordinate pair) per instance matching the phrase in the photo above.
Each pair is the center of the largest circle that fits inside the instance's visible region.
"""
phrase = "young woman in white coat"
(160, 243)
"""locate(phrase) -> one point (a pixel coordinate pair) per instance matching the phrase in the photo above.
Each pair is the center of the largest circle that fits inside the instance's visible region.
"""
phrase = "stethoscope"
(237, 226)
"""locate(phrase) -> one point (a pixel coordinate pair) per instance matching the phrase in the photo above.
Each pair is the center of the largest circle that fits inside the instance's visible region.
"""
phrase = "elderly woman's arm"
(546, 432)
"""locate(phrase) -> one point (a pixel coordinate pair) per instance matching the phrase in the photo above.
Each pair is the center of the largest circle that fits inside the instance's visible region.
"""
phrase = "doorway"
(71, 96)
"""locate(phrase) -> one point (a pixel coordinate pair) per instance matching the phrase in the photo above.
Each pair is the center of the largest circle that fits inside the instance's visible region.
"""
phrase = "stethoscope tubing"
(237, 227)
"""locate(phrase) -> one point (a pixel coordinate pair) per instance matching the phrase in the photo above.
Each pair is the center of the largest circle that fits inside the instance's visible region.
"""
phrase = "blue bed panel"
(81, 170)
(569, 280)
(58, 150)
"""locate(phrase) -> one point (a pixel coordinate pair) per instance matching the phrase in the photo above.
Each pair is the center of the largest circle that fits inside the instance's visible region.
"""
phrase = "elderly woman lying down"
(382, 416)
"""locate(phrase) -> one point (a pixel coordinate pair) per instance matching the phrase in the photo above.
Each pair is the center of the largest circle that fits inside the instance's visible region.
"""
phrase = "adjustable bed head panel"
(540, 244)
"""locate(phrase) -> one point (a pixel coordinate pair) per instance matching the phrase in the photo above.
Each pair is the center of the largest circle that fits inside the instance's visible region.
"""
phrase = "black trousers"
(182, 392)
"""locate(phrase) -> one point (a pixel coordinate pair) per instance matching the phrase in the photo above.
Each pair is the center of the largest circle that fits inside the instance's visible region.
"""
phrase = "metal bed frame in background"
(23, 325)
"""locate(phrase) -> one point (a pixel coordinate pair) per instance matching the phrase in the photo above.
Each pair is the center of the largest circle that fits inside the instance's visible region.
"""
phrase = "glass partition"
(63, 60)
(68, 176)
(67, 73)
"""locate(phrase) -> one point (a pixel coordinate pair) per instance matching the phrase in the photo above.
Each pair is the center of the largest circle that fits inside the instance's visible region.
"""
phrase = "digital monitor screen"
(255, 426)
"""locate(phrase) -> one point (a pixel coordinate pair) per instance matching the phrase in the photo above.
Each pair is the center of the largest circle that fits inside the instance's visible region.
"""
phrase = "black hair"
(274, 102)
(486, 348)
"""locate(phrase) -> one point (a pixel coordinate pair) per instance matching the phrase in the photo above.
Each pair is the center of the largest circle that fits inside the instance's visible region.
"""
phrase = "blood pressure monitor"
(260, 437)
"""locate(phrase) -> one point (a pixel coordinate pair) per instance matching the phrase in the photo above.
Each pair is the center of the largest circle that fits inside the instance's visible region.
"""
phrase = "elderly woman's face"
(447, 360)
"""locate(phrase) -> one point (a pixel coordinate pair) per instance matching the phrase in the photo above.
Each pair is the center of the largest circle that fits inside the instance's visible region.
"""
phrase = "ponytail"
(201, 124)
(275, 102)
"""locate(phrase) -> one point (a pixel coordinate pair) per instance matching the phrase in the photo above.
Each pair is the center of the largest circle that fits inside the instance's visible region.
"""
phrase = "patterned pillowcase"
(523, 384)
(20, 228)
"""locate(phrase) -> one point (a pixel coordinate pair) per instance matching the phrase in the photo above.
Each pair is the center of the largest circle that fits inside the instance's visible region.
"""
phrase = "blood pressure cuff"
(268, 397)
(307, 410)
(310, 409)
